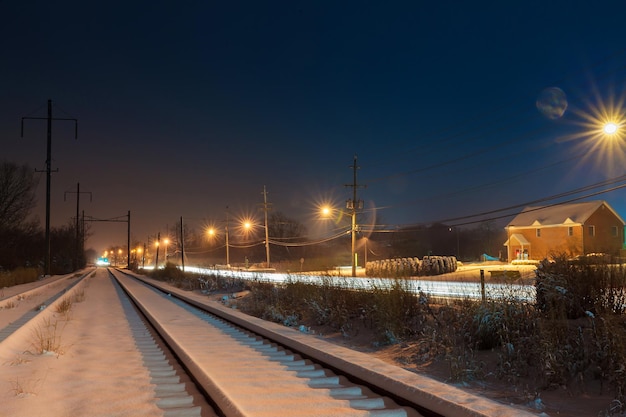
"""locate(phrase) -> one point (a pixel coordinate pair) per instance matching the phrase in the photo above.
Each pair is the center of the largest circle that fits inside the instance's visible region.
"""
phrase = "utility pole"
(48, 173)
(128, 242)
(79, 246)
(182, 244)
(267, 235)
(227, 247)
(158, 243)
(117, 220)
(354, 205)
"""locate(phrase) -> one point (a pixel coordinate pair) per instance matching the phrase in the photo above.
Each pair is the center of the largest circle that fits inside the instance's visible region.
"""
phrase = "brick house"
(571, 229)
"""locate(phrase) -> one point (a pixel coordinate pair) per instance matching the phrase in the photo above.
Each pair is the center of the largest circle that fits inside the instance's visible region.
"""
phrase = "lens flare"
(601, 134)
(552, 103)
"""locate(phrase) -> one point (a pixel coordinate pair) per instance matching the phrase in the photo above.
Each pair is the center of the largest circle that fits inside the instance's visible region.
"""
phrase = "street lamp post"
(227, 247)
(612, 128)
(165, 241)
(353, 232)
(365, 252)
(247, 225)
(157, 243)
(267, 243)
(212, 233)
(140, 251)
(352, 206)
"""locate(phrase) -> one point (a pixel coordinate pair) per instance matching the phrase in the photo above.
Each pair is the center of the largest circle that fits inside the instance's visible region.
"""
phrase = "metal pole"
(128, 243)
(354, 207)
(227, 253)
(156, 262)
(82, 233)
(77, 230)
(482, 284)
(48, 177)
(353, 231)
(365, 257)
(182, 244)
(267, 238)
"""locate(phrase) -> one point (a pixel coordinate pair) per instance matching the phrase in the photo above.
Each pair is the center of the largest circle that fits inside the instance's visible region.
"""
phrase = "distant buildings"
(565, 229)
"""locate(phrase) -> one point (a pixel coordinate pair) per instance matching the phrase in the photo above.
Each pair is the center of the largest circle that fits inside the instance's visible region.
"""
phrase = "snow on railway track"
(23, 306)
(246, 375)
(228, 351)
(108, 364)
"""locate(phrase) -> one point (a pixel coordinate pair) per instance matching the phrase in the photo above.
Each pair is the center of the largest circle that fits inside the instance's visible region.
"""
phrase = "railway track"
(40, 294)
(245, 366)
(201, 358)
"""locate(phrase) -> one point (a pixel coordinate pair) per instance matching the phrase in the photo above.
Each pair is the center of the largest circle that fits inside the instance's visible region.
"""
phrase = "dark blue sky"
(186, 109)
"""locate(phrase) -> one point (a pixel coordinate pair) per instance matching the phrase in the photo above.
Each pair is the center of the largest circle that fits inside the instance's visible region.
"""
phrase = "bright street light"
(247, 226)
(213, 234)
(610, 128)
(352, 206)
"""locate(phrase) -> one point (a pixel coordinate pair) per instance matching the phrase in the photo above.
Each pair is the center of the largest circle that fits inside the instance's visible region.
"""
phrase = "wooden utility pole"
(48, 173)
(354, 205)
(158, 243)
(267, 234)
(79, 232)
(182, 244)
(227, 245)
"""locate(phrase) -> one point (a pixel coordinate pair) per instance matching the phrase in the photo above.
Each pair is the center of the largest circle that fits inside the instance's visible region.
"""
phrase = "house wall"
(553, 241)
(603, 241)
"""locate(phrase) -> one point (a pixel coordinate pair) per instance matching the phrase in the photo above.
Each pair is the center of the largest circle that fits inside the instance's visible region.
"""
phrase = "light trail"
(430, 288)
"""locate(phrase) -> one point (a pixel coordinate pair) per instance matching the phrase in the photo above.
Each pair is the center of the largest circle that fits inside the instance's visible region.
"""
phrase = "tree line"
(22, 239)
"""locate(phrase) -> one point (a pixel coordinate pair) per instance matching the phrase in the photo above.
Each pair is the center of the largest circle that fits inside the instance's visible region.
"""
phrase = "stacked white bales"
(406, 267)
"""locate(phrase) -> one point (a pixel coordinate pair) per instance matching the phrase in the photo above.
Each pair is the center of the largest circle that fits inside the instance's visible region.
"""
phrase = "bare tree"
(17, 194)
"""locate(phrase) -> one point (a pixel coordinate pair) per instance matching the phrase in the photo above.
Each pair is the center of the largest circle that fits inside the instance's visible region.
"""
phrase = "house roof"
(520, 239)
(559, 214)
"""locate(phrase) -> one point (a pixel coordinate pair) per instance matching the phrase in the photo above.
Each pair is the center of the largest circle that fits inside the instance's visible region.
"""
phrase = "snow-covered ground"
(96, 371)
(93, 369)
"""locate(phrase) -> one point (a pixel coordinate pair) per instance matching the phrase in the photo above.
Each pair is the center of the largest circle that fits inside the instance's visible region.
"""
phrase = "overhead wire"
(484, 151)
(611, 181)
(485, 119)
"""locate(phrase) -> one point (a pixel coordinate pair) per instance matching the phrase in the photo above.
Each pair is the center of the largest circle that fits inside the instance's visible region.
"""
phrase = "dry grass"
(19, 276)
(18, 360)
(46, 338)
(21, 388)
(64, 307)
(78, 296)
(574, 336)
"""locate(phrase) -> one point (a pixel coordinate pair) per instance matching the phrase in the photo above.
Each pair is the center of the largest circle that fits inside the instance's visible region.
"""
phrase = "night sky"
(185, 108)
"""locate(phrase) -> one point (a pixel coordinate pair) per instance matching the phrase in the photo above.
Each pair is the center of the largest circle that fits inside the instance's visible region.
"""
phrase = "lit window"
(592, 230)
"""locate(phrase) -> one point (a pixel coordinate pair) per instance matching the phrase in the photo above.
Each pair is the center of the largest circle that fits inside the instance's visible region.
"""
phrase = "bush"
(575, 332)
(19, 276)
(574, 289)
(170, 273)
